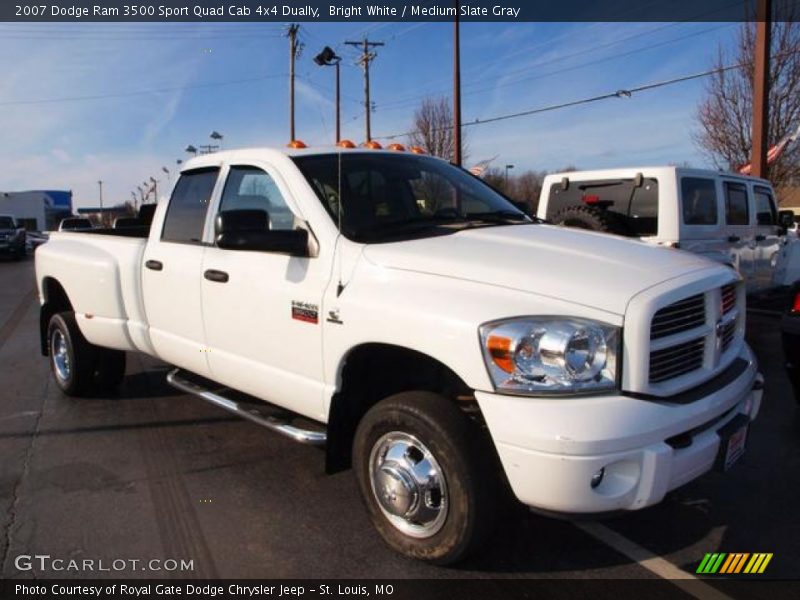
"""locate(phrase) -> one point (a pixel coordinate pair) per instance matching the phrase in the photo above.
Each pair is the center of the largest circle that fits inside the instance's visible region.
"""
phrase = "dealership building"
(37, 210)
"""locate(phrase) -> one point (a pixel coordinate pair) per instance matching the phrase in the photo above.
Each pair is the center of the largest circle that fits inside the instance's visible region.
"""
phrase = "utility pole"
(457, 90)
(292, 35)
(366, 57)
(761, 88)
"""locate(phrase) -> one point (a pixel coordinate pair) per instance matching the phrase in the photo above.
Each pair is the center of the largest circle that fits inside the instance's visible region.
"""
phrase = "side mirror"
(248, 230)
(785, 219)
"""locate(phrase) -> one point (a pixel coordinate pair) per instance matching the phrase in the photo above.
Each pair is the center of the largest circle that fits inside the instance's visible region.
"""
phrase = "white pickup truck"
(423, 329)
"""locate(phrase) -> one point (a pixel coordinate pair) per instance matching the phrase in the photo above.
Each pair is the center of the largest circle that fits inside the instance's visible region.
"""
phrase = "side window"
(736, 204)
(186, 213)
(252, 188)
(699, 199)
(766, 213)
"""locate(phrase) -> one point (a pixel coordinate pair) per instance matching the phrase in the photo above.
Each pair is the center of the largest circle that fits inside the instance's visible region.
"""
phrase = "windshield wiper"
(510, 217)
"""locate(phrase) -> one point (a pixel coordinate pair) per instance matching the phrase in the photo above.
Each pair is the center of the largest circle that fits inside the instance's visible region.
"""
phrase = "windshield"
(6, 223)
(385, 197)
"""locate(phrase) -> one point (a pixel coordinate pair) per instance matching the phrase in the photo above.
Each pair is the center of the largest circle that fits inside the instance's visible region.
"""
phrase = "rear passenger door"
(171, 273)
(767, 238)
(739, 231)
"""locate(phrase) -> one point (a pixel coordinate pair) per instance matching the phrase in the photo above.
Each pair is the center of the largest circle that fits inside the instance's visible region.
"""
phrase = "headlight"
(550, 355)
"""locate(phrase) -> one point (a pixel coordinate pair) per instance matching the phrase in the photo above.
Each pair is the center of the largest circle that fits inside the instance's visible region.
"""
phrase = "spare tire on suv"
(592, 218)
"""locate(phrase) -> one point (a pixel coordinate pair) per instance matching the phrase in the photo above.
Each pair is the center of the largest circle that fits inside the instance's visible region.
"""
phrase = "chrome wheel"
(59, 351)
(409, 484)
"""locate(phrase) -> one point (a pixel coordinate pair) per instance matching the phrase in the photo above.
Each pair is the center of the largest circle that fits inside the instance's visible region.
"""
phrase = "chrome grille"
(676, 360)
(728, 298)
(678, 317)
(728, 333)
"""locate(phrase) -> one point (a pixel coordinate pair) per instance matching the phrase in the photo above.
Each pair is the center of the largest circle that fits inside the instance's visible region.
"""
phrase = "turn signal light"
(346, 144)
(297, 144)
(417, 150)
(500, 351)
(396, 147)
(373, 145)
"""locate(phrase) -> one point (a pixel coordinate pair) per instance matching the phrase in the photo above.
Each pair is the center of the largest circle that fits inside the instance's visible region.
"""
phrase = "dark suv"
(12, 238)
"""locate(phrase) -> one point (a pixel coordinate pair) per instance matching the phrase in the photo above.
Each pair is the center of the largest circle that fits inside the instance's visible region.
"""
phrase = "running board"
(305, 436)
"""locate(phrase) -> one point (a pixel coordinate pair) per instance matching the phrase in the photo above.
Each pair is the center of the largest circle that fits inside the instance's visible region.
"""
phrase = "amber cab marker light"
(500, 351)
(346, 144)
(396, 147)
(417, 150)
(297, 144)
(373, 145)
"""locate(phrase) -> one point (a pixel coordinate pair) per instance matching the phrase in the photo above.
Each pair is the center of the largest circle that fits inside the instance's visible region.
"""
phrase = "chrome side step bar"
(304, 436)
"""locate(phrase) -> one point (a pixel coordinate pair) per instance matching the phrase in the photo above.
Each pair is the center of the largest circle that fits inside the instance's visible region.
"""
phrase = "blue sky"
(83, 102)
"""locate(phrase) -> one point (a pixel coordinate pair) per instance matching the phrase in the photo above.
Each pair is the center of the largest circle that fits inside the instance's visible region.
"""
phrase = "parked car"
(727, 217)
(34, 239)
(12, 237)
(790, 333)
(421, 327)
(74, 224)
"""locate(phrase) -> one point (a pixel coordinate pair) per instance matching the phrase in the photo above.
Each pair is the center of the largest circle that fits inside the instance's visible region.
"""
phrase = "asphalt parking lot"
(151, 473)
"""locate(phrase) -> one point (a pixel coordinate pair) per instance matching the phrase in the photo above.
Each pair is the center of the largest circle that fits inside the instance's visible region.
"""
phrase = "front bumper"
(550, 448)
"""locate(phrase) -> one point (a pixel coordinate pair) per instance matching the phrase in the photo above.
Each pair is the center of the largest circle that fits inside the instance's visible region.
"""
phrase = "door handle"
(760, 238)
(154, 265)
(214, 275)
(734, 238)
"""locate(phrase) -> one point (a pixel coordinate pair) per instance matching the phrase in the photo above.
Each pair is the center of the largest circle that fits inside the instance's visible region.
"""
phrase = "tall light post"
(217, 137)
(508, 168)
(457, 90)
(191, 150)
(166, 170)
(329, 58)
(155, 188)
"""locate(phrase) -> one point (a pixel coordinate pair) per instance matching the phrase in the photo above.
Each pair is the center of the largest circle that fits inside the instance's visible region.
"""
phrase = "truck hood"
(582, 267)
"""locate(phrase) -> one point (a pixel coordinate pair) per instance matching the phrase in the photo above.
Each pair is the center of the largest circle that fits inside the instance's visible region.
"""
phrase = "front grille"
(728, 333)
(728, 298)
(678, 317)
(676, 360)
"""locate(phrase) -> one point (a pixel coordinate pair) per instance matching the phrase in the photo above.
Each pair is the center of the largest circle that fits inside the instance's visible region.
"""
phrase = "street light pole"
(508, 167)
(328, 58)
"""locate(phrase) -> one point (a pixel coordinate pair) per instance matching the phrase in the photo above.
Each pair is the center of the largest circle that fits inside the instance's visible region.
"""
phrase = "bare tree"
(726, 115)
(433, 128)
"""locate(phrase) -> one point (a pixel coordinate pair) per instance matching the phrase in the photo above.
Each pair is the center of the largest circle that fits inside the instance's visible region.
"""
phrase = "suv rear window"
(699, 200)
(186, 214)
(636, 207)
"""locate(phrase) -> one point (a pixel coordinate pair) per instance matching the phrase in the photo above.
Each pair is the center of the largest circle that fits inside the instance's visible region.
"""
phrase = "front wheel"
(427, 476)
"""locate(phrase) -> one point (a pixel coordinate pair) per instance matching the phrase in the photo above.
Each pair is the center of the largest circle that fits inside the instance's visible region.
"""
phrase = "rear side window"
(252, 188)
(699, 200)
(186, 213)
(736, 204)
(766, 213)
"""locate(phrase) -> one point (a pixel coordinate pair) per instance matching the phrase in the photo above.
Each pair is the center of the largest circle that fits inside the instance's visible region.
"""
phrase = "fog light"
(597, 478)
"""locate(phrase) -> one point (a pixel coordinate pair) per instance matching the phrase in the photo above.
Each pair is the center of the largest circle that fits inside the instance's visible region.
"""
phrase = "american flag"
(480, 168)
(773, 153)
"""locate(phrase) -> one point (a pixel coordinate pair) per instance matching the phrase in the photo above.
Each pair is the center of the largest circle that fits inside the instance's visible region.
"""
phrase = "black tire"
(591, 218)
(467, 463)
(81, 356)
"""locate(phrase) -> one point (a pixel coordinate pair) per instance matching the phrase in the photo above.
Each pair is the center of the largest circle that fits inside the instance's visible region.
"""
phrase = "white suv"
(728, 217)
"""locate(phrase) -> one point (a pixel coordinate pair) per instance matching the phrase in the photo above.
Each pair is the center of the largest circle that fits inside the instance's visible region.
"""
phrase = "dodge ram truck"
(402, 313)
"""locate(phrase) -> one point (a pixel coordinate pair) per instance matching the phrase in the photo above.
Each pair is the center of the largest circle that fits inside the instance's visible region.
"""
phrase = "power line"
(367, 56)
(624, 93)
(138, 93)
